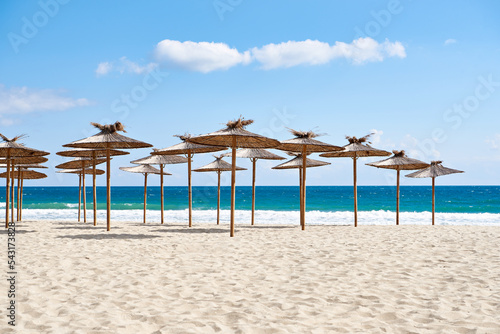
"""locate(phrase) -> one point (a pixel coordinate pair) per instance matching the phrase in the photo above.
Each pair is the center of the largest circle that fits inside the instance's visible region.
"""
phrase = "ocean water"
(277, 204)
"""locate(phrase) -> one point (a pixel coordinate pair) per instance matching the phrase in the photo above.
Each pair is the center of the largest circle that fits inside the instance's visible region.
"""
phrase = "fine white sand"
(77, 278)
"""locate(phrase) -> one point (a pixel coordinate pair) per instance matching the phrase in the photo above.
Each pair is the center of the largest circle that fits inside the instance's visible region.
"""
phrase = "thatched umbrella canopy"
(399, 161)
(108, 138)
(10, 148)
(26, 174)
(255, 154)
(188, 149)
(79, 171)
(436, 169)
(83, 163)
(161, 160)
(93, 154)
(25, 166)
(305, 144)
(24, 160)
(357, 148)
(235, 136)
(218, 166)
(144, 170)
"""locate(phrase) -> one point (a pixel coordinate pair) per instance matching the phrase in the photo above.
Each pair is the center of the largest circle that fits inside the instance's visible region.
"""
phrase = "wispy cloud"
(24, 100)
(123, 65)
(450, 41)
(209, 56)
(494, 142)
(199, 56)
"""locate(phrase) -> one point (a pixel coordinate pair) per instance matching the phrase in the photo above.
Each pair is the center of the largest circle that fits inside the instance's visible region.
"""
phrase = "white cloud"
(494, 142)
(207, 57)
(124, 65)
(22, 100)
(310, 52)
(199, 56)
(450, 41)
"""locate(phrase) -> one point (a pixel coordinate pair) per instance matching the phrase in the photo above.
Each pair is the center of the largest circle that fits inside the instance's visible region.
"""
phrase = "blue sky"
(424, 76)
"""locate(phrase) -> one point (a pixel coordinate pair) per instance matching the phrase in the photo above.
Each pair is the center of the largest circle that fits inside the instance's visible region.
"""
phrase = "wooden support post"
(84, 189)
(254, 160)
(304, 169)
(145, 194)
(79, 195)
(94, 186)
(218, 196)
(355, 192)
(433, 198)
(397, 201)
(7, 189)
(190, 193)
(108, 189)
(161, 192)
(233, 185)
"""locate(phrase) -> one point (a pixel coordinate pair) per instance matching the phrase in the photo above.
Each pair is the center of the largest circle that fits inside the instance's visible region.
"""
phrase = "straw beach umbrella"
(10, 148)
(235, 136)
(188, 149)
(436, 169)
(218, 166)
(144, 170)
(255, 154)
(161, 160)
(94, 154)
(108, 138)
(399, 161)
(296, 163)
(82, 163)
(357, 148)
(305, 144)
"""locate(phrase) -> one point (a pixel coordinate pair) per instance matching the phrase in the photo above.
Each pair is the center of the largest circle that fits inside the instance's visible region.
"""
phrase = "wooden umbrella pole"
(190, 193)
(397, 201)
(12, 194)
(218, 196)
(355, 192)
(22, 188)
(300, 195)
(18, 191)
(233, 184)
(108, 189)
(7, 186)
(94, 187)
(84, 189)
(304, 169)
(433, 198)
(145, 194)
(254, 160)
(79, 195)
(161, 191)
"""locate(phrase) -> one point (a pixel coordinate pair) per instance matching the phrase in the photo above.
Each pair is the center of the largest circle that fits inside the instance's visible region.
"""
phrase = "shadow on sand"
(108, 236)
(192, 230)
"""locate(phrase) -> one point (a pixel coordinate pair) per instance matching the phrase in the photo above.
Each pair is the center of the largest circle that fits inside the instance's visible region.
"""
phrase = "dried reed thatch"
(80, 163)
(218, 165)
(255, 153)
(399, 161)
(434, 170)
(143, 169)
(89, 153)
(11, 148)
(304, 142)
(235, 135)
(79, 171)
(297, 162)
(25, 160)
(357, 147)
(25, 174)
(25, 166)
(187, 147)
(160, 159)
(108, 138)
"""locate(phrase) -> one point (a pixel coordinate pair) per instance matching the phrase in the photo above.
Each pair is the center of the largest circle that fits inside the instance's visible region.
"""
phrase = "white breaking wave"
(275, 217)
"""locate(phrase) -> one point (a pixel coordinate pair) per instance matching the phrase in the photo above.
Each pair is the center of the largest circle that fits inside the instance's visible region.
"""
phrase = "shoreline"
(268, 279)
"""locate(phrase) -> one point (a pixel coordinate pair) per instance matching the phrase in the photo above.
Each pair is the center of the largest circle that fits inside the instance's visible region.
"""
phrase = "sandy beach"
(77, 278)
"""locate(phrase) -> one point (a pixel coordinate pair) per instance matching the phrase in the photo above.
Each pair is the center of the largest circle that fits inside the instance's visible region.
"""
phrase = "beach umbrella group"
(12, 152)
(108, 139)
